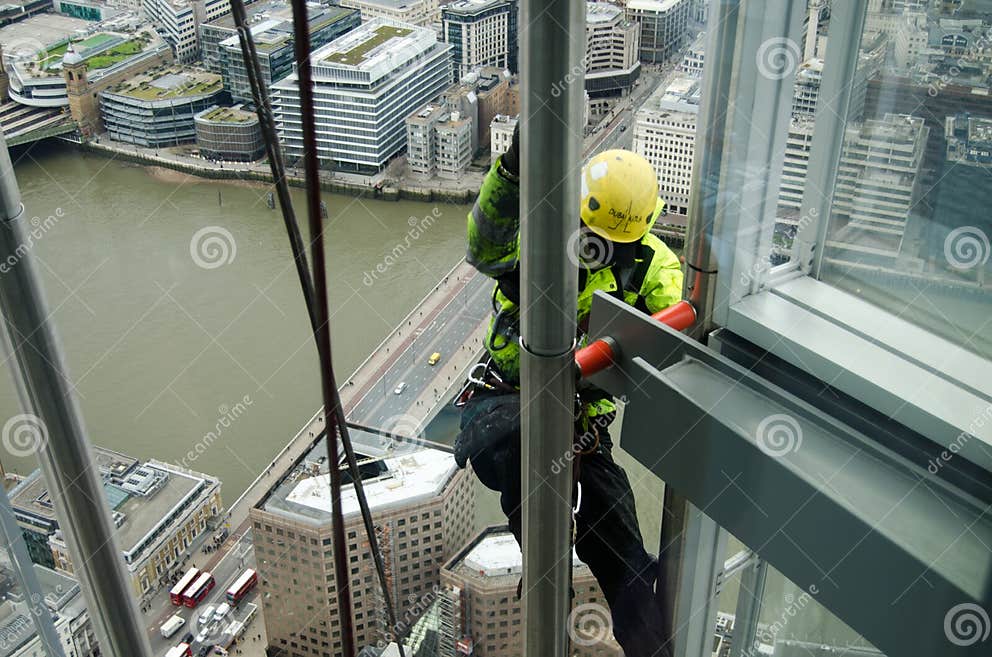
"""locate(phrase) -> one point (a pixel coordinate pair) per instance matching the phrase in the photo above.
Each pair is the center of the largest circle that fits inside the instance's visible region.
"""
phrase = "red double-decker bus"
(182, 650)
(176, 593)
(246, 582)
(199, 589)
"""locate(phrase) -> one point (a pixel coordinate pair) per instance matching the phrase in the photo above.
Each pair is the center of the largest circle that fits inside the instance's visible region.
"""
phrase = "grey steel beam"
(13, 540)
(55, 427)
(891, 548)
(552, 48)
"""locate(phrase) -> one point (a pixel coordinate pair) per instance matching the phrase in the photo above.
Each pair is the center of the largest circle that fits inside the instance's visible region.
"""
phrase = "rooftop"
(227, 115)
(274, 29)
(601, 12)
(123, 476)
(653, 5)
(389, 478)
(352, 50)
(494, 556)
(172, 83)
(681, 94)
(470, 6)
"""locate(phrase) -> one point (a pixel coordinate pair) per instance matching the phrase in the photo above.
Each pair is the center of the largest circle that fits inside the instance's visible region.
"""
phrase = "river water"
(163, 340)
(176, 300)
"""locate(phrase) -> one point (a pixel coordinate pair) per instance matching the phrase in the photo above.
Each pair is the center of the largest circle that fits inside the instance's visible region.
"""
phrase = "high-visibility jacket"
(653, 282)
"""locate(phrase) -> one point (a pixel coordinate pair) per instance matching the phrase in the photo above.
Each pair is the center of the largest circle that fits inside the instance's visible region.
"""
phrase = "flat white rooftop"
(422, 474)
(601, 12)
(653, 5)
(499, 554)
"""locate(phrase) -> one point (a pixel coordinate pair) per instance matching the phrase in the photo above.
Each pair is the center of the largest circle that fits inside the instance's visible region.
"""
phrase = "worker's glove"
(510, 161)
(490, 433)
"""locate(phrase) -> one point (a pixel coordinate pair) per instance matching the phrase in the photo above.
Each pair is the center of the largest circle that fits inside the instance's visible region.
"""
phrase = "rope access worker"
(633, 265)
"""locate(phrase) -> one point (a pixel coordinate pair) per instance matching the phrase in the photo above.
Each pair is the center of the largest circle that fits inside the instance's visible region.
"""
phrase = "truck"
(172, 625)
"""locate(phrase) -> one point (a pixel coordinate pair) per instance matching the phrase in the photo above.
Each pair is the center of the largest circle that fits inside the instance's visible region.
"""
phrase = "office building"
(158, 508)
(229, 133)
(156, 109)
(665, 134)
(695, 56)
(481, 33)
(179, 22)
(270, 22)
(795, 164)
(501, 131)
(877, 187)
(367, 82)
(612, 42)
(274, 43)
(439, 141)
(422, 13)
(61, 596)
(423, 509)
(663, 25)
(479, 612)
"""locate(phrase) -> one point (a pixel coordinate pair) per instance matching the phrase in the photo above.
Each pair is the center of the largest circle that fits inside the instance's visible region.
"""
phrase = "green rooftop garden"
(228, 115)
(105, 59)
(193, 86)
(356, 55)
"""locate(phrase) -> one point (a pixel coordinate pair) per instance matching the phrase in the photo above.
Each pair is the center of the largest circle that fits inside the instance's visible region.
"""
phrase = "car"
(188, 637)
(221, 611)
(207, 615)
(435, 357)
(400, 388)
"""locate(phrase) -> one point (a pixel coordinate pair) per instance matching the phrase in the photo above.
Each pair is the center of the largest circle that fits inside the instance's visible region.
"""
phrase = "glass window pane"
(909, 228)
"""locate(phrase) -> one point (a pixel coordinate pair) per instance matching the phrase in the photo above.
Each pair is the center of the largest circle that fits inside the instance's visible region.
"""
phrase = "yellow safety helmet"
(619, 195)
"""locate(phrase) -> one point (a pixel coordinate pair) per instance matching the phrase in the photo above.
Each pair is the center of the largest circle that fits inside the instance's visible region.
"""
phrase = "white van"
(172, 626)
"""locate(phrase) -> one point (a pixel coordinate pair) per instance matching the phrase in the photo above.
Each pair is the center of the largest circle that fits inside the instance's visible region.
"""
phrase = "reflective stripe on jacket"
(494, 249)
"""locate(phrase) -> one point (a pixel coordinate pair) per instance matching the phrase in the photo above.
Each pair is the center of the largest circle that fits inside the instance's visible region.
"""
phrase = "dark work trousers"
(608, 538)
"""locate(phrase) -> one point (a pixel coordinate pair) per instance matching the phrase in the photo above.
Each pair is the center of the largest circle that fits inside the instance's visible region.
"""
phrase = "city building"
(327, 22)
(367, 82)
(19, 10)
(877, 187)
(159, 510)
(229, 133)
(68, 74)
(423, 509)
(612, 41)
(665, 134)
(663, 25)
(274, 40)
(478, 606)
(699, 11)
(439, 141)
(156, 109)
(64, 601)
(90, 11)
(695, 56)
(481, 33)
(501, 131)
(798, 145)
(423, 13)
(179, 22)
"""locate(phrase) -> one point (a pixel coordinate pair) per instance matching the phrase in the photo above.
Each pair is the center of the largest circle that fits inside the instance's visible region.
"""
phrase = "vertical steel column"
(702, 265)
(27, 578)
(62, 446)
(552, 48)
(847, 22)
(749, 597)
